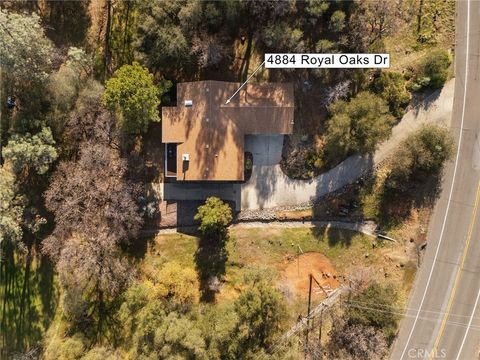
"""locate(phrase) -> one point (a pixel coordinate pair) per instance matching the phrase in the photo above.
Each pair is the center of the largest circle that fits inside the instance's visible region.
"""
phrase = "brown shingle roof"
(212, 133)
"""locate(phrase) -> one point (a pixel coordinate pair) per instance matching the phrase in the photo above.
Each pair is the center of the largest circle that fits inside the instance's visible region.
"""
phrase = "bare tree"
(92, 272)
(91, 193)
(356, 342)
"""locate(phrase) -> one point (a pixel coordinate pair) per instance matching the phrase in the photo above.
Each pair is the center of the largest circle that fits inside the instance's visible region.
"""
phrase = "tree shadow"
(396, 204)
(29, 299)
(210, 259)
(333, 238)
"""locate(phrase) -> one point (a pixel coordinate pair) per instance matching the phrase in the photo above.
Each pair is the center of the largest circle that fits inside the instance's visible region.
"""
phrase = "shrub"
(422, 154)
(358, 125)
(375, 307)
(391, 87)
(433, 71)
(314, 159)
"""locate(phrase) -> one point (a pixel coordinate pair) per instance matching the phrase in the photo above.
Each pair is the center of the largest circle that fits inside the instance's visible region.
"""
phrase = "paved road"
(270, 187)
(442, 318)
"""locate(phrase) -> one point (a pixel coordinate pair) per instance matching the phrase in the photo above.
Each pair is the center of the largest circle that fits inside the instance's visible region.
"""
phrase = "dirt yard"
(296, 275)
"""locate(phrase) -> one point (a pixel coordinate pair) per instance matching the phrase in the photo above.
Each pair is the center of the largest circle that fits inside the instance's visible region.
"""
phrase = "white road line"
(451, 188)
(468, 326)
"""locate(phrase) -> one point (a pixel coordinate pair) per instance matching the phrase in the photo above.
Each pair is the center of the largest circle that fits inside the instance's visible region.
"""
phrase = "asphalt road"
(442, 319)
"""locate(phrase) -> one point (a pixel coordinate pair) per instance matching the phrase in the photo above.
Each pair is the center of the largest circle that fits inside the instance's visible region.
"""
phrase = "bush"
(433, 71)
(375, 307)
(422, 154)
(436, 66)
(358, 125)
(391, 87)
(314, 159)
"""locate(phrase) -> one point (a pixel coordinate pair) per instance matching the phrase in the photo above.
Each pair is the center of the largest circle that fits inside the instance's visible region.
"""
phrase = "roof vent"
(186, 157)
(188, 103)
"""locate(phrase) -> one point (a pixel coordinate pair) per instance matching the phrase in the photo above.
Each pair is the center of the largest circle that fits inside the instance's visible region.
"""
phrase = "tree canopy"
(28, 151)
(435, 67)
(423, 153)
(24, 49)
(391, 87)
(11, 208)
(364, 309)
(134, 98)
(357, 125)
(214, 216)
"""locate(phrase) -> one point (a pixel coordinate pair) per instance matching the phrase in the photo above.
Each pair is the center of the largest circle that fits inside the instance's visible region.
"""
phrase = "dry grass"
(344, 254)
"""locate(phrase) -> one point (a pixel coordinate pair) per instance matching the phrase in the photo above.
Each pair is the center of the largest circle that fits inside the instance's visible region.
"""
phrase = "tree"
(316, 8)
(11, 208)
(324, 46)
(161, 42)
(92, 273)
(65, 84)
(435, 67)
(356, 342)
(89, 120)
(422, 154)
(375, 306)
(27, 152)
(214, 217)
(358, 125)
(151, 331)
(372, 20)
(391, 87)
(83, 201)
(133, 96)
(337, 21)
(280, 36)
(24, 49)
(67, 348)
(261, 313)
(178, 285)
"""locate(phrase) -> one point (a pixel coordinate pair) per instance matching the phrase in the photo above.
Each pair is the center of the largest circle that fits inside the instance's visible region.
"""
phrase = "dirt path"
(367, 227)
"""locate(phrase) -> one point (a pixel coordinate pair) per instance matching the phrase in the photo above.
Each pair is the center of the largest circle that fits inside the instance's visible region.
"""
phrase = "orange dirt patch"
(296, 275)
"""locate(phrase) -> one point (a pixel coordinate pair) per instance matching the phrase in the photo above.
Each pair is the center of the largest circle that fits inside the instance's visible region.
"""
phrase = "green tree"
(391, 87)
(133, 96)
(11, 208)
(24, 49)
(324, 46)
(177, 284)
(357, 125)
(337, 21)
(214, 217)
(423, 153)
(150, 331)
(435, 67)
(280, 36)
(161, 43)
(27, 152)
(316, 8)
(68, 348)
(364, 309)
(261, 314)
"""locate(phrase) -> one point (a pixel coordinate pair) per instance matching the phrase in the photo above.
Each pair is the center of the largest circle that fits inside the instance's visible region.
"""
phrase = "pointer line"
(241, 86)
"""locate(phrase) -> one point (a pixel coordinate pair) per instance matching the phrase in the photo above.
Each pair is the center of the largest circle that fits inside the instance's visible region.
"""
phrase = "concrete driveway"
(266, 149)
(269, 187)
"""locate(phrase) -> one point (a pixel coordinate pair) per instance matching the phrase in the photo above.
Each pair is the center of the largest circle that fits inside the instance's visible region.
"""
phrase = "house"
(204, 137)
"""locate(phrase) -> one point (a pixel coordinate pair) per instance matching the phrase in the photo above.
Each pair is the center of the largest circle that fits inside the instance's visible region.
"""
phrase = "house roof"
(213, 133)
